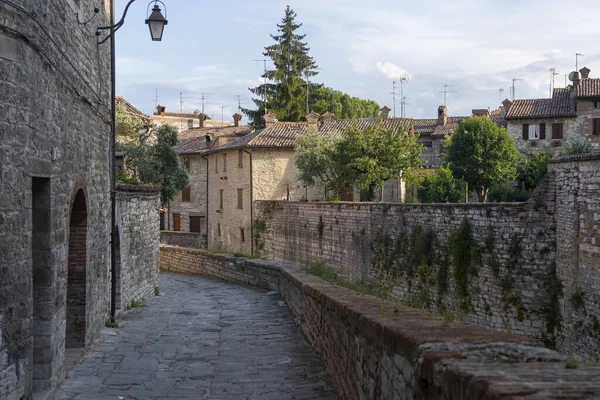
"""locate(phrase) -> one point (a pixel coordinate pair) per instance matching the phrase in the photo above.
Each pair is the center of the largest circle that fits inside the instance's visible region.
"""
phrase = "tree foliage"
(481, 153)
(288, 82)
(532, 168)
(357, 158)
(158, 163)
(127, 126)
(441, 187)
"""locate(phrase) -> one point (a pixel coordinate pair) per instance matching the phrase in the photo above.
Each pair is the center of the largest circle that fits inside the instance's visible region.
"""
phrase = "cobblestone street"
(201, 339)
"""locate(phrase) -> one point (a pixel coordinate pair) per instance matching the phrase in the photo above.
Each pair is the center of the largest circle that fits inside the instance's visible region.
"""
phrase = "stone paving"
(201, 339)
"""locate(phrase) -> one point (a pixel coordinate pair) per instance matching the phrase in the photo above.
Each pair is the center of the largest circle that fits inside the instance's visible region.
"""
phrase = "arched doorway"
(76, 279)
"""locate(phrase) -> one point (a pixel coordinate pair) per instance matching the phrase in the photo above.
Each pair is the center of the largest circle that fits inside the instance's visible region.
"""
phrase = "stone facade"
(377, 349)
(578, 252)
(531, 268)
(54, 189)
(139, 242)
(571, 127)
(196, 206)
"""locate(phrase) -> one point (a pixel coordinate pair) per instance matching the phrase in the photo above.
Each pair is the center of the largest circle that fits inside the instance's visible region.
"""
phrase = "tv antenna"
(239, 97)
(306, 71)
(156, 98)
(445, 91)
(403, 80)
(513, 91)
(203, 98)
(577, 55)
(553, 73)
(222, 114)
(403, 104)
(501, 90)
(264, 60)
(394, 96)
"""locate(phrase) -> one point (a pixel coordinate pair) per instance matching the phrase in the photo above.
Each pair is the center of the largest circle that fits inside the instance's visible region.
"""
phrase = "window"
(596, 127)
(240, 158)
(162, 221)
(242, 235)
(221, 199)
(176, 222)
(186, 162)
(190, 123)
(186, 194)
(219, 229)
(216, 164)
(240, 193)
(557, 131)
(427, 144)
(534, 132)
(596, 104)
(225, 162)
(195, 224)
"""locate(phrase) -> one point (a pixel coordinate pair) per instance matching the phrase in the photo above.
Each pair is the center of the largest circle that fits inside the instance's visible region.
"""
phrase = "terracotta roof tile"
(193, 145)
(280, 134)
(215, 131)
(589, 88)
(363, 123)
(561, 105)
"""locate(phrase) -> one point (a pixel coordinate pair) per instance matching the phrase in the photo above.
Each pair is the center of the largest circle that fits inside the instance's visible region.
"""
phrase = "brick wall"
(377, 349)
(184, 239)
(138, 222)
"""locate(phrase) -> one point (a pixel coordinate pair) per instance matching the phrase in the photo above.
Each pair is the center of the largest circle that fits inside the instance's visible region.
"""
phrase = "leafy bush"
(532, 168)
(441, 187)
(128, 178)
(506, 193)
(580, 147)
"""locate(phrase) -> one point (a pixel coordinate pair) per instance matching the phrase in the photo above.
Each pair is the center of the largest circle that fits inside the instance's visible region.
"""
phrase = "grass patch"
(109, 324)
(331, 275)
(135, 304)
(571, 364)
(244, 255)
(217, 251)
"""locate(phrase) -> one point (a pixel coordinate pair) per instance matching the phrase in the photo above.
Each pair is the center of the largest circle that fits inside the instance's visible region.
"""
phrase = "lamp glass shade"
(156, 22)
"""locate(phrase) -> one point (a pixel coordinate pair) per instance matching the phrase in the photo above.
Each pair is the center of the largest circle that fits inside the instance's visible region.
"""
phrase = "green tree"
(313, 157)
(532, 168)
(158, 163)
(481, 153)
(441, 187)
(323, 99)
(285, 93)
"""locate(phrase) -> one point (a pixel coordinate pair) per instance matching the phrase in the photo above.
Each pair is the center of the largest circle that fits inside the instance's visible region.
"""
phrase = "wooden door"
(176, 222)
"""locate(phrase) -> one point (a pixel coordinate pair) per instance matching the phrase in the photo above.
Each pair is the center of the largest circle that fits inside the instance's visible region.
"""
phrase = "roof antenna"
(446, 91)
(501, 90)
(577, 55)
(513, 91)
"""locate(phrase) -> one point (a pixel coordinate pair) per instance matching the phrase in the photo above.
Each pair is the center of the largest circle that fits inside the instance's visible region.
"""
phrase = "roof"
(431, 126)
(589, 87)
(561, 105)
(338, 125)
(130, 108)
(179, 115)
(497, 116)
(215, 131)
(193, 145)
(280, 134)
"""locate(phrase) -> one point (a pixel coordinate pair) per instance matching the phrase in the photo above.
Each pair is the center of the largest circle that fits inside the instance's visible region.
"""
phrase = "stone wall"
(54, 144)
(409, 249)
(571, 134)
(184, 239)
(376, 349)
(578, 252)
(139, 240)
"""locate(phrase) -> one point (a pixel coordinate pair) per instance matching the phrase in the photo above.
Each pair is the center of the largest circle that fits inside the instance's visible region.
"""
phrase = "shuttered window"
(525, 132)
(176, 222)
(596, 127)
(195, 224)
(186, 194)
(240, 203)
(557, 131)
(542, 131)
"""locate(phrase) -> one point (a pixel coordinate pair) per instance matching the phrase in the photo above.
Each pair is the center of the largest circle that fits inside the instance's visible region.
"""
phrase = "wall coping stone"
(593, 156)
(123, 187)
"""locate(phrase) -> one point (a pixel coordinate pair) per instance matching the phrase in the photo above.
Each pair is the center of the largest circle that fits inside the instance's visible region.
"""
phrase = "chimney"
(160, 110)
(585, 73)
(270, 119)
(481, 112)
(385, 112)
(442, 115)
(312, 118)
(201, 119)
(575, 77)
(237, 117)
(328, 116)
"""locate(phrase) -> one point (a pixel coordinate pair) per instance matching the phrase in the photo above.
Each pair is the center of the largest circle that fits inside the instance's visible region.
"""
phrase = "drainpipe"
(113, 182)
(251, 207)
(207, 174)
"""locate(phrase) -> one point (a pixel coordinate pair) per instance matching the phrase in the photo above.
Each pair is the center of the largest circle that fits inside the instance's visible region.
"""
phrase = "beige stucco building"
(572, 115)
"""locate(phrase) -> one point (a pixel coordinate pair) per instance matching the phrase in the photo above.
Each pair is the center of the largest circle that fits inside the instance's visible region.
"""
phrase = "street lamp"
(156, 23)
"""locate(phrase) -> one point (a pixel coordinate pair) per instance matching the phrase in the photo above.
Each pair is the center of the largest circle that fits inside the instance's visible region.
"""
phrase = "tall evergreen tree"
(285, 93)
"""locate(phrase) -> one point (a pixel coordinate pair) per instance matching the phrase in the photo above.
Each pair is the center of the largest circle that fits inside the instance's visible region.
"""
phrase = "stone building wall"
(139, 240)
(377, 349)
(196, 207)
(578, 252)
(571, 134)
(54, 148)
(184, 239)
(585, 114)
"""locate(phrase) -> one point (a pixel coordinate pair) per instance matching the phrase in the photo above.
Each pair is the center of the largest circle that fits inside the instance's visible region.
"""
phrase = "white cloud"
(391, 70)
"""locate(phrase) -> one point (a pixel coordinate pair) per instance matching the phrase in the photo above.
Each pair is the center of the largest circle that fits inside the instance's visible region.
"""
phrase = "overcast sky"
(476, 46)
